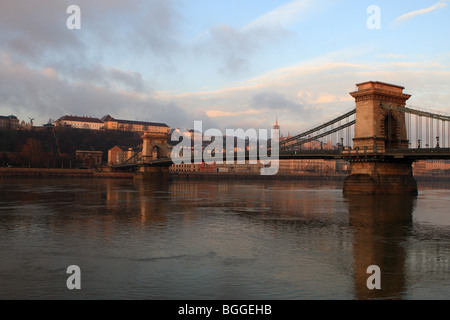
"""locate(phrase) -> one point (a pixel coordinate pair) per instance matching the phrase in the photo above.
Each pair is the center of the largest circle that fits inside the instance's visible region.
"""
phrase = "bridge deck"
(420, 154)
(408, 154)
(152, 163)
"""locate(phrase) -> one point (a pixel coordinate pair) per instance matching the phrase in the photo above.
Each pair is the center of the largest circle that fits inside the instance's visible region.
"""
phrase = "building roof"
(8, 117)
(80, 119)
(109, 118)
(144, 123)
(154, 124)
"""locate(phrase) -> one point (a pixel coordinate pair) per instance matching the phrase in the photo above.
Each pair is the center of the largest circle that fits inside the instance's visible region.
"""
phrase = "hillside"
(55, 147)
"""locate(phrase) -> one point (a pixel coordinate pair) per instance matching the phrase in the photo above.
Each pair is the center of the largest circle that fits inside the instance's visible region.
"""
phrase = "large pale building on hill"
(134, 126)
(79, 122)
(109, 123)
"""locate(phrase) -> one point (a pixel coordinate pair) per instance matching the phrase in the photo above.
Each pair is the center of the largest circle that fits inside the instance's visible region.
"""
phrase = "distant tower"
(276, 126)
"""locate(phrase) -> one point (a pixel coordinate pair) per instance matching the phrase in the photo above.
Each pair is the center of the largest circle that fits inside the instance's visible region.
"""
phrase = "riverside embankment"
(52, 172)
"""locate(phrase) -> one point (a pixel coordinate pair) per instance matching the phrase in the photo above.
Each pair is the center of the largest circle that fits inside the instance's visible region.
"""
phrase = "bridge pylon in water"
(154, 148)
(378, 129)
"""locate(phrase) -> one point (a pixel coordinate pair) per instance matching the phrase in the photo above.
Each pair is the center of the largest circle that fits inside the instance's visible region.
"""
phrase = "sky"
(231, 64)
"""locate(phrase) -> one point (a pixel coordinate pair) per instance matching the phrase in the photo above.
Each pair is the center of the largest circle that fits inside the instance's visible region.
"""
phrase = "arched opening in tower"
(390, 131)
(155, 153)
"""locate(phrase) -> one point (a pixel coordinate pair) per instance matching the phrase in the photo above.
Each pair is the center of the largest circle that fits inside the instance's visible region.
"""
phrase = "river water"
(284, 240)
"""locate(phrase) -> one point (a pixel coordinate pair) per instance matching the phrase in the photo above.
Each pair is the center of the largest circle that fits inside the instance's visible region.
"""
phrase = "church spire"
(277, 127)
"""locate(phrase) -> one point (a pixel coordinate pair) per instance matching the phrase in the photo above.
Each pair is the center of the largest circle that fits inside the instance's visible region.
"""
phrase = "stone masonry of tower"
(152, 140)
(376, 130)
(372, 120)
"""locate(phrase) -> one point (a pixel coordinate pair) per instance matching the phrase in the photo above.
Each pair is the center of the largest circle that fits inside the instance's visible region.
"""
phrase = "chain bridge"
(381, 137)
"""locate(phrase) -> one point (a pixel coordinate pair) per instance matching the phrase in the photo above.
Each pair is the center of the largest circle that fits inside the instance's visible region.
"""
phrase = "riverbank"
(81, 173)
(92, 173)
(238, 176)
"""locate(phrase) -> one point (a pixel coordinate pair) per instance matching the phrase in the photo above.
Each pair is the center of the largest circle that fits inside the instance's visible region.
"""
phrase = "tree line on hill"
(55, 147)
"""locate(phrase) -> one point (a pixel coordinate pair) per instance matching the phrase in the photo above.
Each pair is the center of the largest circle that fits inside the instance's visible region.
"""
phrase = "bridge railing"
(425, 129)
(363, 150)
(419, 151)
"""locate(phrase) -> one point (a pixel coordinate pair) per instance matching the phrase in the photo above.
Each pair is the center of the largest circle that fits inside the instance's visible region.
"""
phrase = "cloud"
(281, 16)
(237, 47)
(43, 94)
(220, 113)
(138, 27)
(307, 93)
(301, 95)
(330, 98)
(47, 70)
(114, 65)
(275, 101)
(111, 77)
(410, 15)
(36, 32)
(32, 29)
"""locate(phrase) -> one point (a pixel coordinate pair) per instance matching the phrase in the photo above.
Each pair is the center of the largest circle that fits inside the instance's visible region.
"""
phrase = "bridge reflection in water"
(380, 225)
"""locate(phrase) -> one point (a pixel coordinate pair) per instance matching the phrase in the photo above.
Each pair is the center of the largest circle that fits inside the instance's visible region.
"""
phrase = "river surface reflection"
(220, 240)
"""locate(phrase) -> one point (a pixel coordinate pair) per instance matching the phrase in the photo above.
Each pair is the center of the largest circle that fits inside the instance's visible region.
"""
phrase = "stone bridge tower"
(378, 129)
(155, 146)
(376, 125)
